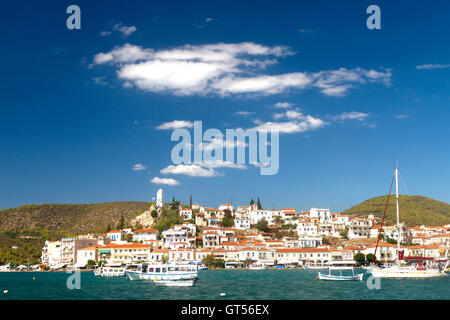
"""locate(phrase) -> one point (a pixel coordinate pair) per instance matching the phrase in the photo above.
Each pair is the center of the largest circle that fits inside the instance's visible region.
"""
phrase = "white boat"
(160, 271)
(5, 268)
(174, 283)
(401, 269)
(258, 266)
(340, 276)
(110, 271)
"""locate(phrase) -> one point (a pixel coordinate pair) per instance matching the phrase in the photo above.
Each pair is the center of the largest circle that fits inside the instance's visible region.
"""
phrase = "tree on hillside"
(121, 224)
(252, 202)
(108, 228)
(190, 201)
(154, 214)
(258, 204)
(262, 225)
(227, 220)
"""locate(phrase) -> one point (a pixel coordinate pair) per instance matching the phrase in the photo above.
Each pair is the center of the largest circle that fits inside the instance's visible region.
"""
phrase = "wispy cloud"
(284, 105)
(243, 113)
(176, 124)
(204, 23)
(139, 167)
(359, 116)
(226, 69)
(402, 116)
(125, 30)
(433, 66)
(192, 170)
(166, 181)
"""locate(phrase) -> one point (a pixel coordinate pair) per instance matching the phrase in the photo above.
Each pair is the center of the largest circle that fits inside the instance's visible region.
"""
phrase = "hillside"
(69, 218)
(414, 210)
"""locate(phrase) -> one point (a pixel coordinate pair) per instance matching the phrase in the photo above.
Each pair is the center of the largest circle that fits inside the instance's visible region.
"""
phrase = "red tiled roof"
(146, 230)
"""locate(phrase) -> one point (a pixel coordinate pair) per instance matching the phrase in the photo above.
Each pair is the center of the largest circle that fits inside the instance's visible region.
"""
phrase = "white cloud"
(225, 69)
(105, 33)
(360, 116)
(307, 124)
(139, 167)
(167, 181)
(176, 124)
(289, 114)
(402, 116)
(125, 30)
(433, 66)
(337, 82)
(284, 105)
(192, 170)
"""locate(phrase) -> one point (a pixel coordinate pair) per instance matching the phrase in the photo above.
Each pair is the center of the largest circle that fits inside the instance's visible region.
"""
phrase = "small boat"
(258, 266)
(110, 271)
(174, 283)
(340, 277)
(5, 268)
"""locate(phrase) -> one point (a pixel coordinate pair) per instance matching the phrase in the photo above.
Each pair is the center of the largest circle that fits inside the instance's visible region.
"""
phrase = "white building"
(86, 254)
(226, 206)
(242, 223)
(322, 215)
(145, 235)
(186, 214)
(160, 198)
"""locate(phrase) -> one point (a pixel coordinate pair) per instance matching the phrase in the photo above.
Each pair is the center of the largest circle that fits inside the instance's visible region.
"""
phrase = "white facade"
(186, 214)
(322, 215)
(242, 223)
(160, 198)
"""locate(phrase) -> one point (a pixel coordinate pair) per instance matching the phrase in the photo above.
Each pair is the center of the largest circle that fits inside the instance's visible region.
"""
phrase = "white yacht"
(407, 268)
(163, 272)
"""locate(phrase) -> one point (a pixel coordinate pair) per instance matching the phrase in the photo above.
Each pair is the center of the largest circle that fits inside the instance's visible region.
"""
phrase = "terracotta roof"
(146, 230)
(301, 250)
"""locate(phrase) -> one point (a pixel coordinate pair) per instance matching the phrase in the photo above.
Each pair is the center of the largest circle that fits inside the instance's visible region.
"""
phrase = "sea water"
(236, 284)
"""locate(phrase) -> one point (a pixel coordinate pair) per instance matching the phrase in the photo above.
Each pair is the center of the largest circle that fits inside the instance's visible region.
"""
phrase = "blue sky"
(80, 108)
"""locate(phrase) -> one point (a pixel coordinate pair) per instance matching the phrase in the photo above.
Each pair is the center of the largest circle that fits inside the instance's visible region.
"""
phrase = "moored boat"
(340, 276)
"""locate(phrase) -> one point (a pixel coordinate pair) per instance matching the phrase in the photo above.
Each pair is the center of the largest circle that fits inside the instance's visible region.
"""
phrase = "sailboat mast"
(398, 216)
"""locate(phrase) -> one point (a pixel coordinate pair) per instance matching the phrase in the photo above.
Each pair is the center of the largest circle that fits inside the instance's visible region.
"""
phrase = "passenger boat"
(404, 267)
(159, 271)
(340, 276)
(110, 271)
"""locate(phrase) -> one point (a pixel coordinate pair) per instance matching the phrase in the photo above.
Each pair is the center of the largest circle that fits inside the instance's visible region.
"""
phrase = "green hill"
(414, 210)
(68, 218)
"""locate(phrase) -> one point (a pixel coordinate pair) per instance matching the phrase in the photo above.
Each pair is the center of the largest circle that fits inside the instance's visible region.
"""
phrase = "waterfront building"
(86, 254)
(81, 243)
(67, 251)
(129, 252)
(52, 253)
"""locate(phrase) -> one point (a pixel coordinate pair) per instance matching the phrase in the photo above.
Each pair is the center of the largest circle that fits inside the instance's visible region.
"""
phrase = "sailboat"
(401, 269)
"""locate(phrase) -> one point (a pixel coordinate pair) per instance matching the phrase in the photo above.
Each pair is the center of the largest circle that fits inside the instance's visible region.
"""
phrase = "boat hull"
(357, 277)
(171, 283)
(399, 274)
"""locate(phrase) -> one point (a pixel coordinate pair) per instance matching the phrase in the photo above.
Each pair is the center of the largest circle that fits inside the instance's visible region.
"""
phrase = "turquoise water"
(236, 284)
